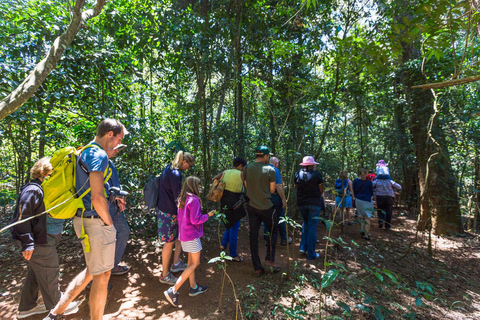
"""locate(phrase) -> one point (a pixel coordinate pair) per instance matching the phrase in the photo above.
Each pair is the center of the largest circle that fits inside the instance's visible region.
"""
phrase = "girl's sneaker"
(168, 279)
(54, 317)
(198, 290)
(171, 296)
(180, 266)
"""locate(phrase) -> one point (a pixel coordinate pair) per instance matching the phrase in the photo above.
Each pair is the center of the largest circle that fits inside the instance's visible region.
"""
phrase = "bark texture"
(439, 203)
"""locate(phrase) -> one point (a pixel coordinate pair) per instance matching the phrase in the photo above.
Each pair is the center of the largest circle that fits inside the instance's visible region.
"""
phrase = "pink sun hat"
(308, 161)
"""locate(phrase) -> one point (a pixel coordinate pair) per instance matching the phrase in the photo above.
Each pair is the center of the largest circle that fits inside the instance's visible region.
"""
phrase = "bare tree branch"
(445, 84)
(34, 80)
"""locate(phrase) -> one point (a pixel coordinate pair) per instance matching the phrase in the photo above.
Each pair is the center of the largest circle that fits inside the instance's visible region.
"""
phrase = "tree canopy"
(347, 81)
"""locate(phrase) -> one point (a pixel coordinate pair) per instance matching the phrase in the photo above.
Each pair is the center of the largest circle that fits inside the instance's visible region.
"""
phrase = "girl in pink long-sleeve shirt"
(190, 230)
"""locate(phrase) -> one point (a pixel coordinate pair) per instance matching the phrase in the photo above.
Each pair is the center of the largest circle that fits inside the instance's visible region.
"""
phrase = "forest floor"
(390, 277)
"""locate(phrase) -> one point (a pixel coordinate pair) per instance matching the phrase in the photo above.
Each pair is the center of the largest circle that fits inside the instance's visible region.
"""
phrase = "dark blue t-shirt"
(307, 182)
(169, 187)
(93, 159)
(363, 189)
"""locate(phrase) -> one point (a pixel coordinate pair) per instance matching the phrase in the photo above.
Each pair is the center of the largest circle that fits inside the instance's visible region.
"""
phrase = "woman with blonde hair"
(169, 186)
(190, 225)
(38, 247)
(363, 189)
(38, 239)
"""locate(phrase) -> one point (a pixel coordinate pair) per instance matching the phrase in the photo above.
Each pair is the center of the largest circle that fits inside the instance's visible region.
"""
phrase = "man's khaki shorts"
(102, 239)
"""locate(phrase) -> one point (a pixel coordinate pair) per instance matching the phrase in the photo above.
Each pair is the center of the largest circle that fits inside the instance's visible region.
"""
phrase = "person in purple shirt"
(190, 230)
(169, 187)
(384, 194)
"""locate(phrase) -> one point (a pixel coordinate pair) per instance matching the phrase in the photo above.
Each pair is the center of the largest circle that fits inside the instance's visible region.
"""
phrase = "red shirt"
(370, 177)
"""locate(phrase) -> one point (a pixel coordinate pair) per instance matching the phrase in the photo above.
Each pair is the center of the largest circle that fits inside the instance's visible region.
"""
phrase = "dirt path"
(453, 273)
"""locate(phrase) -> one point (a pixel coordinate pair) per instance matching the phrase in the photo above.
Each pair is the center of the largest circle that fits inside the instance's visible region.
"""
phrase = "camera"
(116, 193)
(243, 199)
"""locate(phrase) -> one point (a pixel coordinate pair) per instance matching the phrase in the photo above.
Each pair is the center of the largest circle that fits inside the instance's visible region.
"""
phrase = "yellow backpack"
(60, 195)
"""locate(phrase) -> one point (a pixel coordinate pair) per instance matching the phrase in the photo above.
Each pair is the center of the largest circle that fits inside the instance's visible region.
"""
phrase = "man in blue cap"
(260, 184)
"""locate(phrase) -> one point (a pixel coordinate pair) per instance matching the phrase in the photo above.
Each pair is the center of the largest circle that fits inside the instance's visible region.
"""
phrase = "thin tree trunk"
(331, 112)
(240, 145)
(476, 198)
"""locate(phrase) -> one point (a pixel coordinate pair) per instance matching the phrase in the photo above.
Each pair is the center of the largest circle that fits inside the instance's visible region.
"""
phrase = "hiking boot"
(180, 266)
(54, 317)
(168, 279)
(120, 270)
(367, 238)
(171, 296)
(362, 234)
(38, 309)
(198, 290)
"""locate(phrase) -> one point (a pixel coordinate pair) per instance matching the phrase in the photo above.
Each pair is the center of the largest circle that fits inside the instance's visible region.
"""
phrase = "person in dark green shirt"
(260, 184)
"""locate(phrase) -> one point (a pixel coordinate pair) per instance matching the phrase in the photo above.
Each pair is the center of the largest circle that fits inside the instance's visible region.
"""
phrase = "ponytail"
(179, 157)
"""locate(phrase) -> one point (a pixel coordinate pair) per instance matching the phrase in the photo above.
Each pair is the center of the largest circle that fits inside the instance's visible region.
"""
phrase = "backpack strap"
(106, 176)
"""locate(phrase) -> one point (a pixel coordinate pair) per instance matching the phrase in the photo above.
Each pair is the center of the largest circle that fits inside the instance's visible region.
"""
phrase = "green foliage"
(308, 77)
(7, 194)
(251, 302)
(295, 312)
(329, 277)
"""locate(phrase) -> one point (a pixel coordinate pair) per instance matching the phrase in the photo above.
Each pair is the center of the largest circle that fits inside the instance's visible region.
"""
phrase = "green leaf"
(390, 275)
(379, 315)
(379, 276)
(362, 307)
(328, 264)
(344, 306)
(418, 302)
(329, 277)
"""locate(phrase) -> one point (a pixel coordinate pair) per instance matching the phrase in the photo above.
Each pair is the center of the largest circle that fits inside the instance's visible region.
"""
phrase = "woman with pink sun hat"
(309, 185)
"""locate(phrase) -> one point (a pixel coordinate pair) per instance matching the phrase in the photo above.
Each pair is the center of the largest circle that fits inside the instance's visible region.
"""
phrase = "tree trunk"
(476, 197)
(410, 190)
(240, 145)
(475, 4)
(439, 203)
(331, 112)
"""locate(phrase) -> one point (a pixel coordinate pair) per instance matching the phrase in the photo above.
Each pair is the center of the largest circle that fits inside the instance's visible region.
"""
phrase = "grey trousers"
(43, 270)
